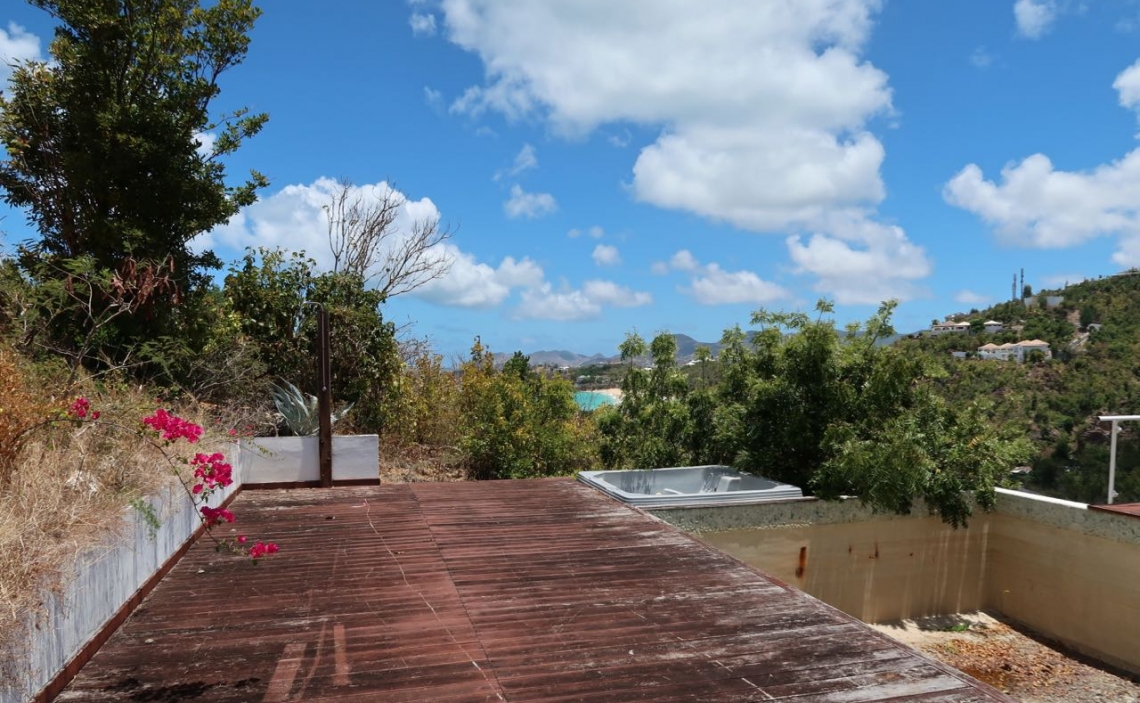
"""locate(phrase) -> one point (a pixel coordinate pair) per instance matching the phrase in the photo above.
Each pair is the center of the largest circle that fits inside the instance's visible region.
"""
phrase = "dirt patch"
(1012, 661)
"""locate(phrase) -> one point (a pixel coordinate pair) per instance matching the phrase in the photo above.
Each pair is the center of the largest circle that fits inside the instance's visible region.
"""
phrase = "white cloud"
(423, 25)
(981, 58)
(531, 205)
(969, 297)
(546, 303)
(1034, 17)
(594, 231)
(762, 106)
(621, 140)
(433, 98)
(606, 255)
(719, 287)
(17, 45)
(206, 141)
(1127, 84)
(470, 284)
(294, 219)
(566, 306)
(1035, 205)
(862, 262)
(610, 293)
(709, 284)
(765, 181)
(525, 160)
(684, 261)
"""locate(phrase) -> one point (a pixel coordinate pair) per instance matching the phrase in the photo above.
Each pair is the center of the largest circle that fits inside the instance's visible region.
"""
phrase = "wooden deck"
(495, 591)
(1130, 509)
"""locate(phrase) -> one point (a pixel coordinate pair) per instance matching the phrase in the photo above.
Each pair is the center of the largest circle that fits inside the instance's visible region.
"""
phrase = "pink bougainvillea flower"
(79, 408)
(172, 427)
(262, 549)
(212, 469)
(215, 515)
(241, 539)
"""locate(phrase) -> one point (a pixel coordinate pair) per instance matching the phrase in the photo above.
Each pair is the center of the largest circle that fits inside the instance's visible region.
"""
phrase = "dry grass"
(68, 487)
(417, 463)
(20, 411)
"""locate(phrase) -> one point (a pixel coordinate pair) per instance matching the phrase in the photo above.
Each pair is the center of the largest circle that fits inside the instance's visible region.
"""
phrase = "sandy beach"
(614, 393)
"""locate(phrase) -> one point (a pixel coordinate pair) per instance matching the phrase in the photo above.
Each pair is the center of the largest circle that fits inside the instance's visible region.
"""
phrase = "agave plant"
(300, 410)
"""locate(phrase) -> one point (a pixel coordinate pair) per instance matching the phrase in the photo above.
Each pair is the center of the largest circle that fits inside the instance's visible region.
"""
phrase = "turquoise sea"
(589, 400)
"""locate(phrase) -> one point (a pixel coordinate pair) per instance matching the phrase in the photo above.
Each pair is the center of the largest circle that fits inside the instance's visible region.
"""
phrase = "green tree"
(365, 359)
(1089, 315)
(266, 292)
(652, 427)
(520, 426)
(268, 296)
(517, 366)
(107, 152)
(841, 415)
(424, 407)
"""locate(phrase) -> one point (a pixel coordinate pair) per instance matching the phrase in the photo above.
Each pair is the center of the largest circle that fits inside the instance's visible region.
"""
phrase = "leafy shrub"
(520, 424)
(424, 402)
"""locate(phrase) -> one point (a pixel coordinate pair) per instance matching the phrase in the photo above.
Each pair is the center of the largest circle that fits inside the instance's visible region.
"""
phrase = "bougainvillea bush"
(75, 467)
(202, 475)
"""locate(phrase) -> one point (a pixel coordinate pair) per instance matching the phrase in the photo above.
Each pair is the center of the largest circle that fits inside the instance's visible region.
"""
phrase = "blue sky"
(671, 165)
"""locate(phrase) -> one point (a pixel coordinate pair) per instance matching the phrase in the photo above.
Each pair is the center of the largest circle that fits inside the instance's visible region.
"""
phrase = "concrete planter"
(295, 459)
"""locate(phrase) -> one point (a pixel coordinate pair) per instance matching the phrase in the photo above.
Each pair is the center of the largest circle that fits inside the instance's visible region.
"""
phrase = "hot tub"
(687, 485)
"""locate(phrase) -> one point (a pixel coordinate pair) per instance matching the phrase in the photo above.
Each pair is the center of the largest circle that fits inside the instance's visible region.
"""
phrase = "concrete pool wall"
(1060, 569)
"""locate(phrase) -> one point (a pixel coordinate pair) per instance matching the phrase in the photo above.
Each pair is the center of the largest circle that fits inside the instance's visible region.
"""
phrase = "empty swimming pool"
(687, 485)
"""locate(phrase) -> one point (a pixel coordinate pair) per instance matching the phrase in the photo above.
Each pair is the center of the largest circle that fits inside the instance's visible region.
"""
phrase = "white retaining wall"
(104, 577)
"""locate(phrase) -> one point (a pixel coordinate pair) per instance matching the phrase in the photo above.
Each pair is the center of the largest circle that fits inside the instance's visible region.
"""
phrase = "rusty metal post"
(324, 398)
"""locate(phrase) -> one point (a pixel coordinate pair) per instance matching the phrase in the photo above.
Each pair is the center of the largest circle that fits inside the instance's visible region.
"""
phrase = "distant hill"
(564, 358)
(686, 349)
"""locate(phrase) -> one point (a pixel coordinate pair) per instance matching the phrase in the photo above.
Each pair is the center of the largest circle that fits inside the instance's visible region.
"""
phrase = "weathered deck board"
(512, 591)
(1130, 509)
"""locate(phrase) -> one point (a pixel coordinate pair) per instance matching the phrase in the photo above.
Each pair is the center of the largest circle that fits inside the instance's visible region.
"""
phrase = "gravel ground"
(1025, 668)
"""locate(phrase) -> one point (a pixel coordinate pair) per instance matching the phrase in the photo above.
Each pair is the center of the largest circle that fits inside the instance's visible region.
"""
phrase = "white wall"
(103, 579)
(293, 459)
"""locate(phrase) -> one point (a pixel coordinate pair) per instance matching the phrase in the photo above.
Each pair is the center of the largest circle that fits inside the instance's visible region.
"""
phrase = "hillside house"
(993, 326)
(1014, 351)
(950, 326)
(1051, 301)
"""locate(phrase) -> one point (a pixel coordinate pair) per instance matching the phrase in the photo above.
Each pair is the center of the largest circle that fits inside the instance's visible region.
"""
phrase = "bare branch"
(366, 241)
